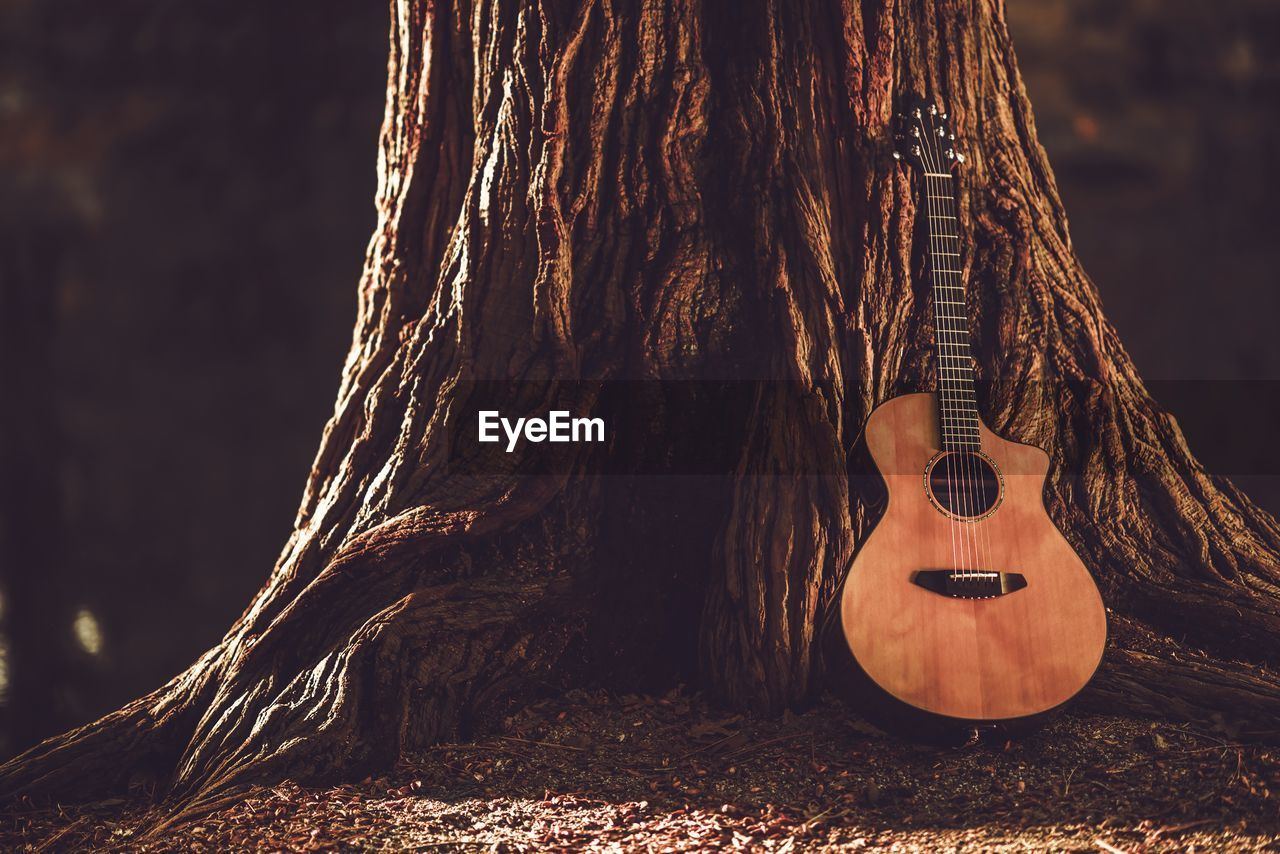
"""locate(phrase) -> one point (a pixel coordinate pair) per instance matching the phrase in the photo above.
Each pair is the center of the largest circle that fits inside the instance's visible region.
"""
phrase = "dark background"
(185, 198)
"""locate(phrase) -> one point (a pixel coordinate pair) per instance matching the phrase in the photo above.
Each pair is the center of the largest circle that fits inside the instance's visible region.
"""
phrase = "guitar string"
(955, 373)
(952, 524)
(978, 485)
(950, 322)
(950, 415)
(947, 350)
(962, 371)
(970, 475)
(983, 501)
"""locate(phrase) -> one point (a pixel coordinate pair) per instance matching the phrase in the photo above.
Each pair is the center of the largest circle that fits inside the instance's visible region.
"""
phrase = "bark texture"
(669, 192)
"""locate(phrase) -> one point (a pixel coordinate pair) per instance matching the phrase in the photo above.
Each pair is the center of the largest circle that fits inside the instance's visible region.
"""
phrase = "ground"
(596, 771)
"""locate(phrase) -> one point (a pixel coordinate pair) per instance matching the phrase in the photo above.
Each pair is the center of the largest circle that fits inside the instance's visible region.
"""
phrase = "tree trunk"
(577, 194)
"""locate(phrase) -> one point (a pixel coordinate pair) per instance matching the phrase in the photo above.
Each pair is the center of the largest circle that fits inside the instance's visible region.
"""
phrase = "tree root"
(1152, 676)
(131, 749)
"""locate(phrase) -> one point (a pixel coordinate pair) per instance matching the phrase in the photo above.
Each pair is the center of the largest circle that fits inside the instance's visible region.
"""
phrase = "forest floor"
(593, 771)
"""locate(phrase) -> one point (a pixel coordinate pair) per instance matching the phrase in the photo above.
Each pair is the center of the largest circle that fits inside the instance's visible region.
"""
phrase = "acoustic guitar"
(965, 602)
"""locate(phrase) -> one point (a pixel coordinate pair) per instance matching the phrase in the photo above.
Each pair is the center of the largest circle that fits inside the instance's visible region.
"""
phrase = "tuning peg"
(897, 155)
(933, 109)
(951, 136)
(915, 132)
(943, 116)
(916, 113)
(942, 133)
(960, 158)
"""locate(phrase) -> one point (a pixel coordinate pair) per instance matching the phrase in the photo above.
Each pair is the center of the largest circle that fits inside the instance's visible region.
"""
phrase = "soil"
(596, 771)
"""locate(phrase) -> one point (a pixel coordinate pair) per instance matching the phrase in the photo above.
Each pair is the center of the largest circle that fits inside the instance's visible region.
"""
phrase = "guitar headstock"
(924, 138)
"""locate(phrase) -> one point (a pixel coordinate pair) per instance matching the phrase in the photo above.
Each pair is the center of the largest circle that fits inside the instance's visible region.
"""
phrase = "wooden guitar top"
(977, 659)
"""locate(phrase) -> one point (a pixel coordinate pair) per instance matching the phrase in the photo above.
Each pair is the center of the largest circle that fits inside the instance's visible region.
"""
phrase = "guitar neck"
(957, 401)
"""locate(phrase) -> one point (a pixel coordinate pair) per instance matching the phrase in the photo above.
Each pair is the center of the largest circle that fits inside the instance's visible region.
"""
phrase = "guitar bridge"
(969, 583)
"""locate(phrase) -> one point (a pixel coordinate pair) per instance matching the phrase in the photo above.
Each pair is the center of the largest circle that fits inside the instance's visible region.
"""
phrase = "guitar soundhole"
(964, 484)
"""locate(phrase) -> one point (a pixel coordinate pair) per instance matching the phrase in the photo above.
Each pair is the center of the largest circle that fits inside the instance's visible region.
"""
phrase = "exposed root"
(1152, 676)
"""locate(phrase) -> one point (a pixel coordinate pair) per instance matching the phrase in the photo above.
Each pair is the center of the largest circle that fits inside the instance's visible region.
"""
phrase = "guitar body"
(966, 602)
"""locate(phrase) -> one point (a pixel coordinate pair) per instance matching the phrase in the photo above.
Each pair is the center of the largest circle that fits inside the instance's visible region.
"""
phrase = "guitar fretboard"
(957, 400)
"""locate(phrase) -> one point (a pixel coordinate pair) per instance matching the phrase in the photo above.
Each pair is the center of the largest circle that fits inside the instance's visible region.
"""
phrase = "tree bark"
(676, 193)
